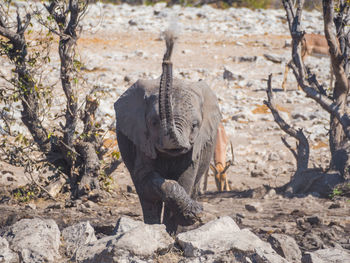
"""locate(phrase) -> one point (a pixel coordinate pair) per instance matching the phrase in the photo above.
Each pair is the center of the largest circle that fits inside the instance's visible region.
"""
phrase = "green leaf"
(116, 155)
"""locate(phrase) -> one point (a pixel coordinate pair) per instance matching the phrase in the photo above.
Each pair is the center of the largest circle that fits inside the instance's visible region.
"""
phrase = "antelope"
(221, 165)
(315, 45)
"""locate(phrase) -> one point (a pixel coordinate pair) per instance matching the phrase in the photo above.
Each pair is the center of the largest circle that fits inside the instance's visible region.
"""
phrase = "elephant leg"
(154, 187)
(174, 221)
(170, 220)
(152, 210)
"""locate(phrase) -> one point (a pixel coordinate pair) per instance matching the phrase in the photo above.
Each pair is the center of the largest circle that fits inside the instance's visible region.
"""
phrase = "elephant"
(166, 132)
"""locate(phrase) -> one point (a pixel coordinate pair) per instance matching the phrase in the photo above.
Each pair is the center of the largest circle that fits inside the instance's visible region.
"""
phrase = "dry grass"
(319, 145)
(263, 109)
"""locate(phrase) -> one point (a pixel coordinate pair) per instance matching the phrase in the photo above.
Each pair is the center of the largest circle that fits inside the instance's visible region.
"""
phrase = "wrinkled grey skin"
(166, 131)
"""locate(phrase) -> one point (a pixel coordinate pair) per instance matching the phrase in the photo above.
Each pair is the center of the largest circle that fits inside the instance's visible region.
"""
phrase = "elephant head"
(168, 115)
(179, 110)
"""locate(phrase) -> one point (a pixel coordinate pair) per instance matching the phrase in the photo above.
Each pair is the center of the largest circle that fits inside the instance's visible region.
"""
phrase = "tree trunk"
(338, 50)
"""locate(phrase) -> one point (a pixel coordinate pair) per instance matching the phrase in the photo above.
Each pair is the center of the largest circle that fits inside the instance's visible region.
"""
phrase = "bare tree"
(337, 34)
(76, 152)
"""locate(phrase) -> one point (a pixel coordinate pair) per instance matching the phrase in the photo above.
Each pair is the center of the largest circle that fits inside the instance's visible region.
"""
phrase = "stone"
(209, 237)
(30, 206)
(328, 255)
(127, 78)
(222, 235)
(247, 58)
(273, 156)
(124, 224)
(97, 251)
(257, 173)
(13, 177)
(286, 247)
(313, 220)
(228, 75)
(6, 254)
(270, 194)
(145, 240)
(35, 240)
(273, 58)
(142, 241)
(239, 116)
(261, 255)
(132, 22)
(105, 228)
(254, 207)
(298, 115)
(55, 187)
(334, 206)
(77, 235)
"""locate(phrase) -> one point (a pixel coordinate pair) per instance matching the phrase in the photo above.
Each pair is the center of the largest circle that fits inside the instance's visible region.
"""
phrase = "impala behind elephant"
(166, 131)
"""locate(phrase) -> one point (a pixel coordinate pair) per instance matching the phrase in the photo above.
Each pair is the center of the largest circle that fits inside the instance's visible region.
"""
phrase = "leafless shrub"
(336, 18)
(75, 153)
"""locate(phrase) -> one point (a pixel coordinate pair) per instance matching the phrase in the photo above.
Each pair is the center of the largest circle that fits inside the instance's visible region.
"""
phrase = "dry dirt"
(312, 221)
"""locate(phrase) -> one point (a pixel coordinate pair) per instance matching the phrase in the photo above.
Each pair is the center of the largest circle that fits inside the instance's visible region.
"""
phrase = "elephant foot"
(191, 213)
(185, 210)
(178, 220)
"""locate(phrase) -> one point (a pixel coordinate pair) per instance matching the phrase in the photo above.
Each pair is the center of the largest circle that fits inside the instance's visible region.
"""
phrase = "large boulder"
(35, 240)
(143, 241)
(328, 255)
(6, 255)
(209, 238)
(286, 247)
(125, 224)
(222, 235)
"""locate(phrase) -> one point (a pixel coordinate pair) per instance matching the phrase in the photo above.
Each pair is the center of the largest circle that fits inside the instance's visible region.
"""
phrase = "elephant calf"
(166, 132)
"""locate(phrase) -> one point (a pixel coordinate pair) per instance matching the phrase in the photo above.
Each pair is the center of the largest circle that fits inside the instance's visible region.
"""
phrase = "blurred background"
(309, 4)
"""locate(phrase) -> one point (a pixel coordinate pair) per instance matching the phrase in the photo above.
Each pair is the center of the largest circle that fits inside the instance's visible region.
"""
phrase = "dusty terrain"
(121, 46)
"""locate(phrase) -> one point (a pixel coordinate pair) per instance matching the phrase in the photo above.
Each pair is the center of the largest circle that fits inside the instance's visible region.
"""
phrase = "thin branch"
(303, 146)
(289, 147)
(326, 103)
(22, 26)
(314, 82)
(299, 68)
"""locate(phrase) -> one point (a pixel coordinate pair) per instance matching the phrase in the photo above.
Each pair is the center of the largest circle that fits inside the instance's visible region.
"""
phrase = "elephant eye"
(154, 122)
(194, 131)
(195, 125)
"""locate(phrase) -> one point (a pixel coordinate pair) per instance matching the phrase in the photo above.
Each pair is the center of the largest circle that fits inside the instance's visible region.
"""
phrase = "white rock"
(328, 255)
(285, 246)
(78, 235)
(212, 237)
(36, 240)
(125, 224)
(254, 207)
(142, 241)
(223, 234)
(6, 255)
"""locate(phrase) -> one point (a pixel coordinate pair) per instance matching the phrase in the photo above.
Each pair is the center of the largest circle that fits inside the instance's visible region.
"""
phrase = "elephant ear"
(211, 118)
(130, 110)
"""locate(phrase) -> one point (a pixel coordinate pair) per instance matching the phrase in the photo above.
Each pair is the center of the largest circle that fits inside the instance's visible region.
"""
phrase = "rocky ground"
(226, 48)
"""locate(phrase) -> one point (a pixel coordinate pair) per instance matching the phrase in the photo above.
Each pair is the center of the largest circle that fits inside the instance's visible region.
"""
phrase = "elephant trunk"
(165, 95)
